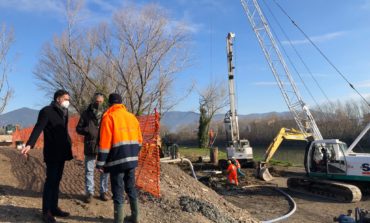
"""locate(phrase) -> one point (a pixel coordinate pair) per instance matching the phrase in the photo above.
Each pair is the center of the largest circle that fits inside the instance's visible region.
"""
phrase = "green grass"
(280, 163)
(194, 152)
(284, 157)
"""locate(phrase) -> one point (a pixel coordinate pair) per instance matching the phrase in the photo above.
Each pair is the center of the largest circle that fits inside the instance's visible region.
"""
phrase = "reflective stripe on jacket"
(120, 140)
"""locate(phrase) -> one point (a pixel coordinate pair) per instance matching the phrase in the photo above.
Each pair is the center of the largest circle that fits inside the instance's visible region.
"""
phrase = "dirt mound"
(21, 184)
(175, 184)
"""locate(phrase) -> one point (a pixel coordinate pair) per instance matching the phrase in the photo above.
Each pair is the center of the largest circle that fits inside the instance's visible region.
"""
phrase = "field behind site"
(285, 155)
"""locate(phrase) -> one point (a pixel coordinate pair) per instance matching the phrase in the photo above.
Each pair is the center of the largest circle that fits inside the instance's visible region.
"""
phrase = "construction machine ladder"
(279, 68)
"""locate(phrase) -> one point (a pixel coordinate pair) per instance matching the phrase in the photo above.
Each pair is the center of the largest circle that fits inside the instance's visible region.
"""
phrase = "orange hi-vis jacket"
(120, 140)
(232, 176)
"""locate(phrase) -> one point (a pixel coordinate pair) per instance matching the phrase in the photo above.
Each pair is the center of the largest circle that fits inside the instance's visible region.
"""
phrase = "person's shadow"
(12, 213)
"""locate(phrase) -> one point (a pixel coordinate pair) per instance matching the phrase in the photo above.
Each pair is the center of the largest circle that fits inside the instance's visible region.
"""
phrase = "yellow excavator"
(284, 134)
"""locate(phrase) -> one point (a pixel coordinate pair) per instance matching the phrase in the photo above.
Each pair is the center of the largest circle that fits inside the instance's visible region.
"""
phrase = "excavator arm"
(284, 134)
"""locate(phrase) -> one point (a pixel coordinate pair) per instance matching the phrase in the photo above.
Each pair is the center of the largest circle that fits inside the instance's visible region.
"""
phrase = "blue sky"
(339, 27)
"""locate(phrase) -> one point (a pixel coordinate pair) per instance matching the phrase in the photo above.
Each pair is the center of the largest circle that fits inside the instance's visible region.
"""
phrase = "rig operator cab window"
(328, 158)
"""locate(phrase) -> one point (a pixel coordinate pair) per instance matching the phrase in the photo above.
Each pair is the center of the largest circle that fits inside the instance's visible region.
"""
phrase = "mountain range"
(173, 120)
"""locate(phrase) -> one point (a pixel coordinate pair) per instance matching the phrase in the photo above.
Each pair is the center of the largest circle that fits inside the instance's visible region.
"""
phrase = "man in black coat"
(88, 126)
(53, 121)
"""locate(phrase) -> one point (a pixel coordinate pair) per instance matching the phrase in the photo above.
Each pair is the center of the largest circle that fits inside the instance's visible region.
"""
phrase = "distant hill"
(24, 117)
(173, 120)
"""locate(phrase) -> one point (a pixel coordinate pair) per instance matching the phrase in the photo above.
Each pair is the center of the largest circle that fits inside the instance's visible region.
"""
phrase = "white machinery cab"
(331, 159)
(243, 151)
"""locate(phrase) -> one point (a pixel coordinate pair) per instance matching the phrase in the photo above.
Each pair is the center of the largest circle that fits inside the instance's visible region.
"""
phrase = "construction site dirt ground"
(183, 198)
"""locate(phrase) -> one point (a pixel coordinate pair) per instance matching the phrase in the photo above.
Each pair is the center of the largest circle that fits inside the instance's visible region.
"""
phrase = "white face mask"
(65, 104)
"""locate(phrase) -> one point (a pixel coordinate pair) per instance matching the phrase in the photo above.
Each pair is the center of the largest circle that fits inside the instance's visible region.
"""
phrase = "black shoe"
(48, 218)
(59, 213)
(104, 196)
(88, 198)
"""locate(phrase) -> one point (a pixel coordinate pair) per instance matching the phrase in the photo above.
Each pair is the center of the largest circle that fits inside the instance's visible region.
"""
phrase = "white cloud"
(363, 84)
(317, 39)
(365, 5)
(51, 6)
(56, 8)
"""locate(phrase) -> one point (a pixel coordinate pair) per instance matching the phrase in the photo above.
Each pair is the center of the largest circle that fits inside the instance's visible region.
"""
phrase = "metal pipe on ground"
(180, 160)
(284, 217)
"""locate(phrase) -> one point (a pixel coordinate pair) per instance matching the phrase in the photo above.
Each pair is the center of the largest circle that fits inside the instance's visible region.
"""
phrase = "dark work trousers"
(54, 172)
(124, 181)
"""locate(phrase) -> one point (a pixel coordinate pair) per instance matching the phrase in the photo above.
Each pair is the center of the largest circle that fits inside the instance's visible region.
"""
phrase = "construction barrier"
(77, 140)
(148, 171)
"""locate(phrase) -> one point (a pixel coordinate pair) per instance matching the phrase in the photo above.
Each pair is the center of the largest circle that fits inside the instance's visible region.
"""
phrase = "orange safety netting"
(148, 171)
(77, 140)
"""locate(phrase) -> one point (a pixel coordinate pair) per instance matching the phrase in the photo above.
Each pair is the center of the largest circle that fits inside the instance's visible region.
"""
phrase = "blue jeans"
(89, 176)
(240, 173)
(50, 195)
(124, 181)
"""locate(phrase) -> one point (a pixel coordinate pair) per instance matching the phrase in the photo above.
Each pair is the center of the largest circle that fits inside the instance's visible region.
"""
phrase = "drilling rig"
(236, 148)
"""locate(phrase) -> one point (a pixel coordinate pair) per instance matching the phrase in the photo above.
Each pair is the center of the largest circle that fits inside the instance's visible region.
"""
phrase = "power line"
(286, 54)
(298, 55)
(322, 54)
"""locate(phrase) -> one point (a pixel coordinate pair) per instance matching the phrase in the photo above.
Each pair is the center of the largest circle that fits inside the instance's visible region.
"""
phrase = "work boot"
(88, 198)
(134, 212)
(118, 213)
(104, 196)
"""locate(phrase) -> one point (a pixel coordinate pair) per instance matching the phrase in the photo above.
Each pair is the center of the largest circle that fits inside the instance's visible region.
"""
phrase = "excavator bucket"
(263, 172)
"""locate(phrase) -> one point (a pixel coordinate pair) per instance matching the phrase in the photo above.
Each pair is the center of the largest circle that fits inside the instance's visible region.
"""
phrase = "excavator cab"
(326, 157)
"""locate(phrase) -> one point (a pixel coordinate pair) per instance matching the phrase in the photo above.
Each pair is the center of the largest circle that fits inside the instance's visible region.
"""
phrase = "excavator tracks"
(328, 189)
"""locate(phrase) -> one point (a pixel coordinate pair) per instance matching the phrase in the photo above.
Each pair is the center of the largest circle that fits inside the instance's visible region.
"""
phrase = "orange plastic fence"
(77, 140)
(148, 171)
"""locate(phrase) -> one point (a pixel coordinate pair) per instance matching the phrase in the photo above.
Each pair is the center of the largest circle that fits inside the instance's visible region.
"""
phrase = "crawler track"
(329, 189)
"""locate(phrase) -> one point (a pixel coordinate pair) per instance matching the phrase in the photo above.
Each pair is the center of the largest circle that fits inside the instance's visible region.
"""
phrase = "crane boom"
(279, 68)
(233, 115)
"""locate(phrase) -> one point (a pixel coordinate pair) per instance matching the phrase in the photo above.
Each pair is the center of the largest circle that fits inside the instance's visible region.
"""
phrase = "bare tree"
(6, 40)
(137, 56)
(212, 100)
(150, 51)
(68, 62)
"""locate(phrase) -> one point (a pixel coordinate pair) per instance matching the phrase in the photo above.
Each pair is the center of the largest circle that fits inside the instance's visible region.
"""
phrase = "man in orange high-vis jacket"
(119, 145)
(232, 176)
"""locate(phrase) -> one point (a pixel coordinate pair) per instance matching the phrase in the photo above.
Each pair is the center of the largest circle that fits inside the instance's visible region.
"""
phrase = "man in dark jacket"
(53, 121)
(88, 126)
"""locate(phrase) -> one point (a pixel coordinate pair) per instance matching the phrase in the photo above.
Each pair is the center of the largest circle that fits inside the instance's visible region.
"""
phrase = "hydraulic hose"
(284, 217)
(180, 160)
